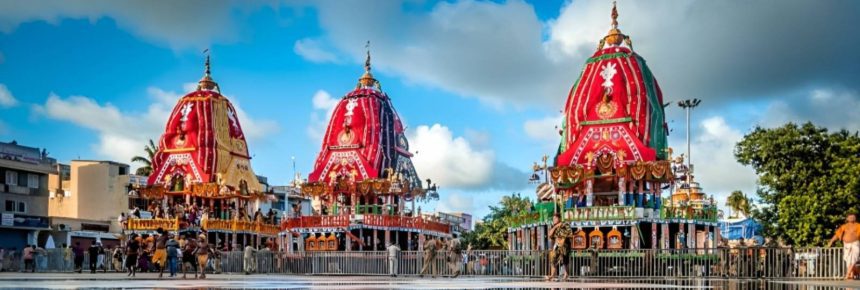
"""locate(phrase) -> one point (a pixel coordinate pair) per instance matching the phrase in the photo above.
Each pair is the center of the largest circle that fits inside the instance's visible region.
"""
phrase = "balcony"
(215, 225)
(376, 220)
(17, 189)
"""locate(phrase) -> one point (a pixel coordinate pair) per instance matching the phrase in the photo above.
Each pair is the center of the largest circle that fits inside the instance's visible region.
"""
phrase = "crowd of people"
(164, 251)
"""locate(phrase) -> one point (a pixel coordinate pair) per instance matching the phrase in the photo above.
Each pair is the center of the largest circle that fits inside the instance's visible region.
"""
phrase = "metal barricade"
(739, 263)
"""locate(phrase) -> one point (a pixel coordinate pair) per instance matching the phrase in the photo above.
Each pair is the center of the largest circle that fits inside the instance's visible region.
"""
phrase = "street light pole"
(688, 106)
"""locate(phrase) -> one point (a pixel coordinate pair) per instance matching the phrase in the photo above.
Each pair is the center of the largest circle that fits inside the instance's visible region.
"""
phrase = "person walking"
(41, 256)
(28, 258)
(202, 254)
(67, 257)
(132, 249)
(558, 256)
(189, 261)
(100, 264)
(79, 257)
(93, 252)
(455, 256)
(216, 262)
(849, 234)
(393, 256)
(172, 255)
(159, 257)
(117, 259)
(430, 249)
(249, 261)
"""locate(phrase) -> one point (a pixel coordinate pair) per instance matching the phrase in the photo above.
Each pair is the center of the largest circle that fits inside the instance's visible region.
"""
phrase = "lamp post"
(539, 169)
(688, 106)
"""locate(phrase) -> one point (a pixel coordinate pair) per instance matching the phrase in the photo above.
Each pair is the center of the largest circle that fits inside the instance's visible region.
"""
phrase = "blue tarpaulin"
(740, 229)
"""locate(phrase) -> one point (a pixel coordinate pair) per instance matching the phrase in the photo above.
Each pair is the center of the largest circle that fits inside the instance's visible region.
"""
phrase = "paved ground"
(149, 281)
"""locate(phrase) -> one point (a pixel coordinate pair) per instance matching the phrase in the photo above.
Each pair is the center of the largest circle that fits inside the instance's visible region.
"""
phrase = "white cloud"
(491, 51)
(323, 107)
(455, 202)
(545, 129)
(502, 53)
(687, 43)
(311, 49)
(716, 168)
(449, 161)
(122, 134)
(180, 24)
(7, 100)
(831, 108)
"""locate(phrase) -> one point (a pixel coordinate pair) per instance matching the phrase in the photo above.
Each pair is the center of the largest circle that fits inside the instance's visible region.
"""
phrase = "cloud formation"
(179, 24)
(123, 134)
(311, 49)
(454, 162)
(491, 51)
(7, 100)
(502, 53)
(835, 109)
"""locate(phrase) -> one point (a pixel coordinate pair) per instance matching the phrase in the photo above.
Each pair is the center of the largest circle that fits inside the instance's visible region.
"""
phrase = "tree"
(809, 179)
(738, 203)
(492, 231)
(150, 150)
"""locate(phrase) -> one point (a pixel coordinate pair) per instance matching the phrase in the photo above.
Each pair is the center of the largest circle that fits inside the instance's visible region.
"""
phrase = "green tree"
(738, 203)
(809, 179)
(146, 169)
(492, 231)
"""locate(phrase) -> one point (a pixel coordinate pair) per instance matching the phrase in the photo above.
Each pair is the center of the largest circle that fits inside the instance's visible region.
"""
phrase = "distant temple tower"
(613, 162)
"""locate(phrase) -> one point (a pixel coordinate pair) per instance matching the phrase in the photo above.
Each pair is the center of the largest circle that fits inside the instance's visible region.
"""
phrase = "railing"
(783, 263)
(316, 222)
(215, 225)
(374, 209)
(406, 222)
(153, 224)
(600, 213)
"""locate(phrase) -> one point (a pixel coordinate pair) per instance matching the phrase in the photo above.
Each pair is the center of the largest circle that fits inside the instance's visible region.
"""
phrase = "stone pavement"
(150, 280)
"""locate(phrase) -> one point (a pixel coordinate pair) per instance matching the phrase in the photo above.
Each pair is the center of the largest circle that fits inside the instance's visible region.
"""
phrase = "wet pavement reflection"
(109, 281)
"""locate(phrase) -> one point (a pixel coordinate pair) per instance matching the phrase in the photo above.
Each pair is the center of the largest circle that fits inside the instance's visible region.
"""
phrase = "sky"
(480, 84)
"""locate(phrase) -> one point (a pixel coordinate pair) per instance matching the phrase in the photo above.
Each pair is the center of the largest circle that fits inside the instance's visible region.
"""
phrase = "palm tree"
(738, 203)
(146, 169)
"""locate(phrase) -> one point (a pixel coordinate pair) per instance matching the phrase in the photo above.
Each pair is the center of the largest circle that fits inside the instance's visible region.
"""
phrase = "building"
(465, 221)
(290, 198)
(460, 222)
(607, 179)
(86, 207)
(363, 185)
(203, 164)
(24, 192)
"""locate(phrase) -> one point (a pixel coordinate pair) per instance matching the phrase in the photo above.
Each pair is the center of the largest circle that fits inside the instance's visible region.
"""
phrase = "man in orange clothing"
(160, 255)
(849, 234)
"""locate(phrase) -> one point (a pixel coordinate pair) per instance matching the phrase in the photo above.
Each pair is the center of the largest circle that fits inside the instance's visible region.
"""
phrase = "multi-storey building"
(86, 206)
(24, 192)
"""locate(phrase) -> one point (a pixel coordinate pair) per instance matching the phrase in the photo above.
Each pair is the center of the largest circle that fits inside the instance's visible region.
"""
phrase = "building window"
(16, 206)
(32, 180)
(11, 177)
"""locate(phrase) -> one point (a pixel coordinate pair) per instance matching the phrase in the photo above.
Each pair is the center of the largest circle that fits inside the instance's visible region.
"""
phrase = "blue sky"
(479, 83)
